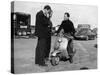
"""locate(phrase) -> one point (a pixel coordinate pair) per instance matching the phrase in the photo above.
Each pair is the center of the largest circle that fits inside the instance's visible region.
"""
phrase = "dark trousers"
(70, 47)
(42, 50)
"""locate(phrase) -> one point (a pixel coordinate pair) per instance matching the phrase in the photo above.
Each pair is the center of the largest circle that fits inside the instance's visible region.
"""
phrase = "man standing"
(43, 32)
(69, 30)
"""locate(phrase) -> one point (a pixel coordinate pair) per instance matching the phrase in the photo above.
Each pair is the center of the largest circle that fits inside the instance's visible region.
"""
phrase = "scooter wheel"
(55, 60)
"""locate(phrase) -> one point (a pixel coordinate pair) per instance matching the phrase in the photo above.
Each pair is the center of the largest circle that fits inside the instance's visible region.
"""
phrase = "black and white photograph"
(53, 37)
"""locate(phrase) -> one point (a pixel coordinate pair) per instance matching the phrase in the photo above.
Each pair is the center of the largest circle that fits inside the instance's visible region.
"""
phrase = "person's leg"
(48, 47)
(37, 53)
(40, 51)
(70, 50)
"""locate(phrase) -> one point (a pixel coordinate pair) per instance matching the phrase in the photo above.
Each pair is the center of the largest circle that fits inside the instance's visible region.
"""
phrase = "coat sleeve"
(42, 20)
(72, 28)
(61, 26)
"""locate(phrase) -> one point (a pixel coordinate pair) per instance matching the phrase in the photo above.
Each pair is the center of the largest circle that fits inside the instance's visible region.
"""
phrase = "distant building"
(84, 26)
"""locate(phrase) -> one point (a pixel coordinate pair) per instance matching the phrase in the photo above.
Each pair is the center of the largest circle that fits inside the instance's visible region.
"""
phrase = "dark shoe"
(71, 59)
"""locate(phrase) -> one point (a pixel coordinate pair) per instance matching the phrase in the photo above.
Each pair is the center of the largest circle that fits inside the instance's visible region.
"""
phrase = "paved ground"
(86, 56)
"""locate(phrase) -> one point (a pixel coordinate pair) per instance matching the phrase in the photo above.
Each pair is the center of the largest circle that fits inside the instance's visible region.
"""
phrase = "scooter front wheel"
(55, 60)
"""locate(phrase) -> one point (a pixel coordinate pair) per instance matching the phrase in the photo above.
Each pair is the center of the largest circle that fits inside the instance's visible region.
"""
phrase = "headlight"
(59, 40)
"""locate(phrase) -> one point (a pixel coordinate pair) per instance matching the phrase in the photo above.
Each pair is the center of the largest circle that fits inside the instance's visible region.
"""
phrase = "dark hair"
(47, 7)
(68, 15)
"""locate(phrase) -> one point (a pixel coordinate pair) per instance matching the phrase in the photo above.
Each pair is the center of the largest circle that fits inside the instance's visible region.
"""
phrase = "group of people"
(43, 32)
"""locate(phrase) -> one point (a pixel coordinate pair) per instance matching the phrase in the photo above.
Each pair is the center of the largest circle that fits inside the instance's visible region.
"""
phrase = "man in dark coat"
(43, 32)
(69, 29)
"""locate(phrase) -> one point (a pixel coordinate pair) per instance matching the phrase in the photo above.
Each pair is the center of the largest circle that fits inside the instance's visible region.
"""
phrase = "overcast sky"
(80, 14)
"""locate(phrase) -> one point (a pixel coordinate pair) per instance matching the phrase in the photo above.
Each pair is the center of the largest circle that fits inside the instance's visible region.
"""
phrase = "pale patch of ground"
(24, 50)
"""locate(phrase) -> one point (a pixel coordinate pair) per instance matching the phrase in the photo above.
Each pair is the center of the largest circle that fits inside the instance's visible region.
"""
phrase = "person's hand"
(56, 33)
(47, 15)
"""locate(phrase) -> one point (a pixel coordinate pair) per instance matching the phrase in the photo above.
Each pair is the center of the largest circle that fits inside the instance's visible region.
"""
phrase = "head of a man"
(66, 16)
(47, 9)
